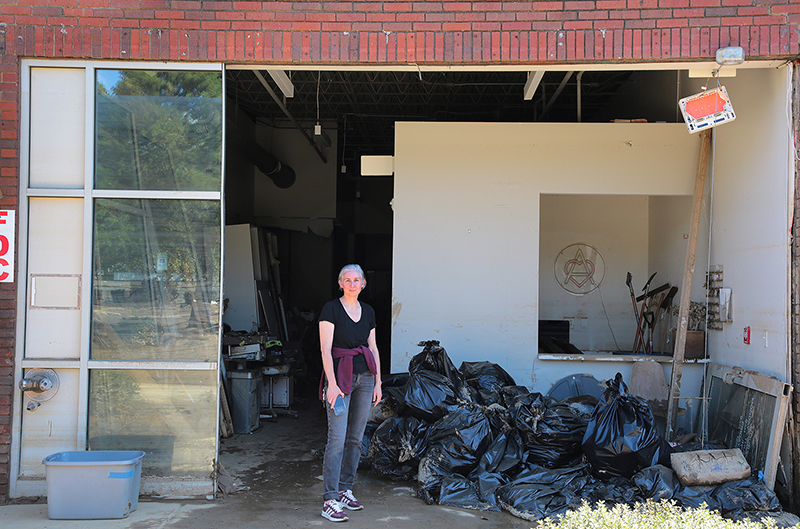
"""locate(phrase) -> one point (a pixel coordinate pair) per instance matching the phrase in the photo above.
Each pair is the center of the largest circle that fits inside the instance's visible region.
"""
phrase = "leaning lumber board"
(686, 286)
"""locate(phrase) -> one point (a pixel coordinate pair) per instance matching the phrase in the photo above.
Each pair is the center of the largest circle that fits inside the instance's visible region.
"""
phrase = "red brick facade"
(355, 33)
(398, 32)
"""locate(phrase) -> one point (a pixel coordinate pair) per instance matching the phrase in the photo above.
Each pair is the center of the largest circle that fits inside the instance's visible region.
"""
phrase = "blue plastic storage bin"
(93, 485)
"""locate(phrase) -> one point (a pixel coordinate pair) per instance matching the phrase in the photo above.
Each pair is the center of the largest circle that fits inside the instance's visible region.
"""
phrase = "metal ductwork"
(281, 174)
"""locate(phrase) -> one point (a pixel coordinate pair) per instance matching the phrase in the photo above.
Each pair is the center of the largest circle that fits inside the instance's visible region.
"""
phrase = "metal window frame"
(768, 385)
(21, 488)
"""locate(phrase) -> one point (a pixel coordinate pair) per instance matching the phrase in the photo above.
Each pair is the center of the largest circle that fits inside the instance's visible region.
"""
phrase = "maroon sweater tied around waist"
(344, 371)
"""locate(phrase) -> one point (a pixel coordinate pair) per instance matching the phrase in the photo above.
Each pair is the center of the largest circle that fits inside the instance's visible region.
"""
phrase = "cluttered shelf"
(258, 373)
(607, 356)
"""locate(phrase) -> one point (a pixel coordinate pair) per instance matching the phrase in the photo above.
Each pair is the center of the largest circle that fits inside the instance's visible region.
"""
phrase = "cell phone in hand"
(338, 405)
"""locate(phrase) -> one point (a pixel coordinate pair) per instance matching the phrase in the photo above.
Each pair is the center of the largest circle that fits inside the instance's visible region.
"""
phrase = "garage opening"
(294, 145)
(302, 224)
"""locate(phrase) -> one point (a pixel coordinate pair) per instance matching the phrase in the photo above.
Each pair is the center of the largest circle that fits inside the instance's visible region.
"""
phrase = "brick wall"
(9, 170)
(358, 32)
(399, 32)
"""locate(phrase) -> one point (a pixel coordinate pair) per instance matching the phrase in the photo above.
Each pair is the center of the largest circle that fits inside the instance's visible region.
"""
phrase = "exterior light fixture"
(731, 55)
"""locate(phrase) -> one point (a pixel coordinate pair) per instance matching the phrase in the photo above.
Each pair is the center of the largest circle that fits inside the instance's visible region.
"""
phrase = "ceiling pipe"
(282, 175)
(556, 94)
(578, 79)
(289, 115)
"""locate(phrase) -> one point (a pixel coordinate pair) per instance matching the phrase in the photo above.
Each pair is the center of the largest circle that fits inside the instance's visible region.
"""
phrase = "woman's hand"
(332, 392)
(377, 394)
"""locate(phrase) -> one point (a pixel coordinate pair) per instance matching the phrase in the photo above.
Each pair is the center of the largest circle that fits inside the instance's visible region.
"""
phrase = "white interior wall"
(309, 204)
(751, 220)
(466, 240)
(668, 244)
(467, 264)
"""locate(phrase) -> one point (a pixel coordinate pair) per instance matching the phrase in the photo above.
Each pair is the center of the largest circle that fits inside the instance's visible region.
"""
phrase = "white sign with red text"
(7, 218)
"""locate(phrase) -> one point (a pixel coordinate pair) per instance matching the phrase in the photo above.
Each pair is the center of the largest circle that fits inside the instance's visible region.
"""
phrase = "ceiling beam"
(534, 78)
(280, 104)
(556, 94)
(283, 82)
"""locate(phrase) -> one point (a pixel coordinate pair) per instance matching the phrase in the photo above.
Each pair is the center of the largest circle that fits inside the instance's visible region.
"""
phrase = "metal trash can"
(245, 389)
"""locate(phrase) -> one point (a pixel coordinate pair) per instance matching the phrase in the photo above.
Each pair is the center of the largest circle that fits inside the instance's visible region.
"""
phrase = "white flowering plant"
(649, 515)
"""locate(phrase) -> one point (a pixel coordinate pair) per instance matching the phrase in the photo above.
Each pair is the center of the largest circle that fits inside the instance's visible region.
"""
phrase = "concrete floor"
(279, 482)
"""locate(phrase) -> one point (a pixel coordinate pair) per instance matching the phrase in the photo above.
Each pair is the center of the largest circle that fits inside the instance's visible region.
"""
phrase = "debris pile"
(472, 438)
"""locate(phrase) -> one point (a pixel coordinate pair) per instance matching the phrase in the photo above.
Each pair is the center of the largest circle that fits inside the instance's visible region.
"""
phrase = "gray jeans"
(345, 431)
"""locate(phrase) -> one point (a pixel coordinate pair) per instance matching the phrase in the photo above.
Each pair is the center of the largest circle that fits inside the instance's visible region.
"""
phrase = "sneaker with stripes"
(347, 500)
(333, 511)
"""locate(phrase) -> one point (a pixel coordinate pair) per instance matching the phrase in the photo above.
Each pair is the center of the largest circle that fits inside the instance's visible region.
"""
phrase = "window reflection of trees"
(159, 130)
(156, 290)
(156, 262)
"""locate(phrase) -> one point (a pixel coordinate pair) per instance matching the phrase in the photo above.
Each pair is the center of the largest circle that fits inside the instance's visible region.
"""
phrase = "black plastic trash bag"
(736, 497)
(567, 477)
(458, 491)
(552, 432)
(434, 358)
(365, 461)
(504, 454)
(499, 417)
(534, 501)
(397, 446)
(466, 433)
(657, 482)
(455, 445)
(537, 492)
(695, 497)
(428, 395)
(486, 379)
(394, 380)
(621, 437)
(610, 491)
(487, 484)
(582, 405)
(509, 394)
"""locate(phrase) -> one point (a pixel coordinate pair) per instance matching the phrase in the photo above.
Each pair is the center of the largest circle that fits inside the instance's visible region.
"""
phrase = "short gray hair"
(355, 268)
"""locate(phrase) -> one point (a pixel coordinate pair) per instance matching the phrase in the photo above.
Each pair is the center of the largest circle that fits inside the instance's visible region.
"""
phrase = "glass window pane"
(158, 130)
(156, 280)
(171, 415)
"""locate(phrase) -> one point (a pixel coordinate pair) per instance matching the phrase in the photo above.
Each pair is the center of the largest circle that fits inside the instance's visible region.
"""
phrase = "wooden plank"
(226, 412)
(686, 286)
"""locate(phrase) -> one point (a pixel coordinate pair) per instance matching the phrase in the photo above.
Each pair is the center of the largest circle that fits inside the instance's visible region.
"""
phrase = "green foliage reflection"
(156, 284)
(159, 130)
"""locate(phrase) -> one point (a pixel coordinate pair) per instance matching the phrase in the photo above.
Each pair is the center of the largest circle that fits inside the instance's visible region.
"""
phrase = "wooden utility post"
(686, 286)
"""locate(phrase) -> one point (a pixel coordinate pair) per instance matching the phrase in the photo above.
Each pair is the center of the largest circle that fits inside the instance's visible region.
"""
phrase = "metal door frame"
(28, 487)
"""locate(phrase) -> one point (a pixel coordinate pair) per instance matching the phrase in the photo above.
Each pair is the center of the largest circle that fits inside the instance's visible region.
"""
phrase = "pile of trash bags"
(472, 438)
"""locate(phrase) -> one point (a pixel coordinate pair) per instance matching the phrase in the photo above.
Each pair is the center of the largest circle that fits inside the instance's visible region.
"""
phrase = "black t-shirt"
(349, 334)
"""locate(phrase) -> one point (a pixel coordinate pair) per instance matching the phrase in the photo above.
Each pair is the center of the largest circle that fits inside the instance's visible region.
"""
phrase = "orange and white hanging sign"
(707, 109)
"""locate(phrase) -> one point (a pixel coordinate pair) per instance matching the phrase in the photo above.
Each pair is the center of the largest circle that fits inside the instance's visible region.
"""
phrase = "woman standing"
(351, 371)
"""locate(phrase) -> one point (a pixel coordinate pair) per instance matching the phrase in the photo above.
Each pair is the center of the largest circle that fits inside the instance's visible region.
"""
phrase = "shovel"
(650, 320)
(633, 297)
(639, 327)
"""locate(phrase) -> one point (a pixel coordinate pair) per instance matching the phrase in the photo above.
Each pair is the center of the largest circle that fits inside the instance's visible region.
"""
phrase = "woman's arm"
(377, 393)
(326, 342)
